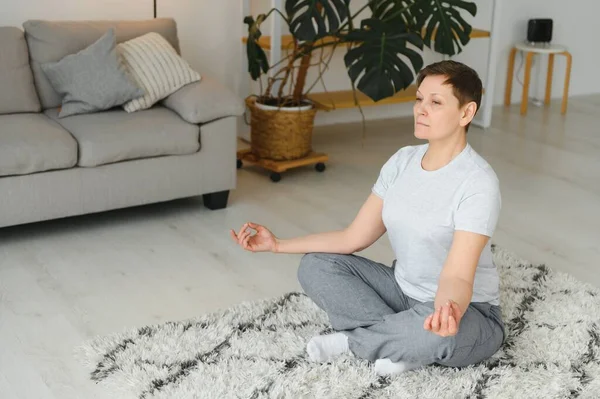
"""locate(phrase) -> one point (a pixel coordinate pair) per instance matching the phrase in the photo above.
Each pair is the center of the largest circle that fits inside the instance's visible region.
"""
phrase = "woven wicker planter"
(280, 134)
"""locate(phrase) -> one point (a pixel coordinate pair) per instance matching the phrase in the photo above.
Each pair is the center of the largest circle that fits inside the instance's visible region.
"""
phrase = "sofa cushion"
(17, 93)
(156, 67)
(50, 41)
(32, 143)
(204, 101)
(115, 135)
(92, 80)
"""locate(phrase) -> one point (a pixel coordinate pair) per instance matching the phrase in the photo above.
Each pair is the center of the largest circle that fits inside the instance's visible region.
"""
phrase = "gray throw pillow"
(94, 79)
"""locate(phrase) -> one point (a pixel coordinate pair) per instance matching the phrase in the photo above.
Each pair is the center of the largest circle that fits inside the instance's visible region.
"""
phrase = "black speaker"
(539, 30)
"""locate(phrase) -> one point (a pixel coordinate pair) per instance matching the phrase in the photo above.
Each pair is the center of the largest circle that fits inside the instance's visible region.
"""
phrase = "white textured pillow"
(156, 67)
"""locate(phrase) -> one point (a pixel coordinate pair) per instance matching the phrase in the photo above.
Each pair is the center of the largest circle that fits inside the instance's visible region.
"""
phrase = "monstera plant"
(383, 40)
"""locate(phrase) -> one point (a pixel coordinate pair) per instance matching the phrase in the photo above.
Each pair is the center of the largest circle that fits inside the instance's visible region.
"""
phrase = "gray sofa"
(54, 167)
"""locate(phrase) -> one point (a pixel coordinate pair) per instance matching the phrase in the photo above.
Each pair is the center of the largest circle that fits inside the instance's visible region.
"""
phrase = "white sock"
(385, 367)
(324, 347)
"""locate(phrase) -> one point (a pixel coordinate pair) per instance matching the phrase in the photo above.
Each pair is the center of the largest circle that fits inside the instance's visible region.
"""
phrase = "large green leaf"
(396, 11)
(377, 64)
(257, 59)
(313, 19)
(443, 24)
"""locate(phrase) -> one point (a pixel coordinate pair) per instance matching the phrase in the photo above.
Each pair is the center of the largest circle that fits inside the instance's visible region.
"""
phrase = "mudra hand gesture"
(445, 320)
(262, 241)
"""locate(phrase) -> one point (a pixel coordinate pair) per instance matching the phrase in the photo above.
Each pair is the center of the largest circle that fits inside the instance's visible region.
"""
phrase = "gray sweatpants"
(364, 301)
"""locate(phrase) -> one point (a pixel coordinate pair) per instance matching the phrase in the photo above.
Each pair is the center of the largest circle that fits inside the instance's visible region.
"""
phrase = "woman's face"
(437, 112)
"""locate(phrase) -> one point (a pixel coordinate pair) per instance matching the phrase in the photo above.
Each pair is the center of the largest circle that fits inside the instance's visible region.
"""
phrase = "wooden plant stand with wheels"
(278, 167)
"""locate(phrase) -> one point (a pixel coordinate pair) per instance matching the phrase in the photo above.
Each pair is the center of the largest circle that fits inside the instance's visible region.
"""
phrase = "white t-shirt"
(422, 209)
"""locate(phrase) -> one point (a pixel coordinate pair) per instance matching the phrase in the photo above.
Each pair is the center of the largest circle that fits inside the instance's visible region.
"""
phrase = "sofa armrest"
(204, 101)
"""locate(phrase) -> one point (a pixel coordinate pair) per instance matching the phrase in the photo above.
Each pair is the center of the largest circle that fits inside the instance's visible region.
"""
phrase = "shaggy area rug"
(257, 350)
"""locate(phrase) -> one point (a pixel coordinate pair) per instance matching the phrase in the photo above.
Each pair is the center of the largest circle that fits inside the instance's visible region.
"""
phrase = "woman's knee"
(476, 353)
(441, 349)
(314, 267)
(474, 342)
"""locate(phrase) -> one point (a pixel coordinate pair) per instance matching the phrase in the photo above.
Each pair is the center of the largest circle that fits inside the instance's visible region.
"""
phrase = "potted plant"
(383, 55)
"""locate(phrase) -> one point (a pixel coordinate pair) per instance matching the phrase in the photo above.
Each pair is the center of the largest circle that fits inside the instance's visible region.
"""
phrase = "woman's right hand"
(262, 241)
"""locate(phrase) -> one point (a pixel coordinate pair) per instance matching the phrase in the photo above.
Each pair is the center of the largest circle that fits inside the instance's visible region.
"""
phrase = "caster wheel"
(239, 163)
(275, 177)
(320, 167)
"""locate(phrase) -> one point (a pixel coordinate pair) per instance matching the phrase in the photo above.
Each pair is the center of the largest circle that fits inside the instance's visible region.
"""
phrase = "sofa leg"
(216, 200)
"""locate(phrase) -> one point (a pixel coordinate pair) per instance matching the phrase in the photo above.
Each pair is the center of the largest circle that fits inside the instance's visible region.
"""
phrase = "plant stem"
(349, 21)
(304, 65)
(288, 70)
(321, 72)
(288, 24)
(278, 12)
(313, 48)
(299, 88)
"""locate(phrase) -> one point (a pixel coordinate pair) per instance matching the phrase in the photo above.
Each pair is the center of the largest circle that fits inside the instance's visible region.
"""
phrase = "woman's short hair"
(465, 82)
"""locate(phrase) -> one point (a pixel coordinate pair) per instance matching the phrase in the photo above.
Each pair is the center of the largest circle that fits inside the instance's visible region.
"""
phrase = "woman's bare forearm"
(330, 242)
(455, 289)
(366, 228)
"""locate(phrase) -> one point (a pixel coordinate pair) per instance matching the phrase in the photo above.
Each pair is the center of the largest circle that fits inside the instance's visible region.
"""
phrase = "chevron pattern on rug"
(257, 350)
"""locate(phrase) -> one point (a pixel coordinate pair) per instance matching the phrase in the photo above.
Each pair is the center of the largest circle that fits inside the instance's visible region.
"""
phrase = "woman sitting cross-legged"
(439, 203)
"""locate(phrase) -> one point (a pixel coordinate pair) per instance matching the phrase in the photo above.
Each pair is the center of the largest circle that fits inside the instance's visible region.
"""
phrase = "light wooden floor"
(63, 282)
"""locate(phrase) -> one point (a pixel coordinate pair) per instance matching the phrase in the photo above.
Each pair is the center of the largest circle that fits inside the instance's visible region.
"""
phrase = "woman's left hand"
(445, 320)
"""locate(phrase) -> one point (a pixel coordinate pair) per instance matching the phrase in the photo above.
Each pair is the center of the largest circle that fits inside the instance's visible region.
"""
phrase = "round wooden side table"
(529, 50)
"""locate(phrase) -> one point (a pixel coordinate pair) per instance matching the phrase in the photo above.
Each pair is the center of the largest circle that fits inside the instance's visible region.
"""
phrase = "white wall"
(574, 26)
(210, 33)
(15, 12)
